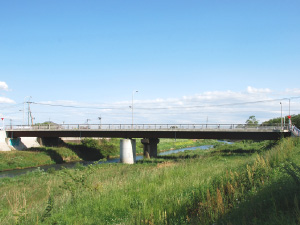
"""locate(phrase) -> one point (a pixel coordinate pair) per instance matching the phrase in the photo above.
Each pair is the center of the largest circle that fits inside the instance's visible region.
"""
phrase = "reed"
(211, 186)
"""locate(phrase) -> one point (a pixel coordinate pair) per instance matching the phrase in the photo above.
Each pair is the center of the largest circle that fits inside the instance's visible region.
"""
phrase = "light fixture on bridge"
(132, 106)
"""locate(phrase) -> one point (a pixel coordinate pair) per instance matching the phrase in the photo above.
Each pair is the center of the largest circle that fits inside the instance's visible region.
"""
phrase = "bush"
(90, 143)
(104, 148)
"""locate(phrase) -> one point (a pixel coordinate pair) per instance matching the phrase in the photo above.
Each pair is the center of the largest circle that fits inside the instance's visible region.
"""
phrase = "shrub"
(90, 143)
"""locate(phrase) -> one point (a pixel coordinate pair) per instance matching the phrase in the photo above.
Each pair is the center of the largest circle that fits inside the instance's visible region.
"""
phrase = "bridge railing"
(148, 127)
(295, 130)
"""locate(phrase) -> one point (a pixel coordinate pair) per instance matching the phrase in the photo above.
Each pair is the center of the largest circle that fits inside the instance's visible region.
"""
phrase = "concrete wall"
(23, 143)
(3, 141)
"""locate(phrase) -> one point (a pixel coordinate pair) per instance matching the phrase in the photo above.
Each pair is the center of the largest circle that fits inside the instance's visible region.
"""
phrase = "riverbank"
(258, 180)
(72, 152)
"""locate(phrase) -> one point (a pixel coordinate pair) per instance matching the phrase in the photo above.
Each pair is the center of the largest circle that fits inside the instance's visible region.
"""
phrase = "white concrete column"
(127, 151)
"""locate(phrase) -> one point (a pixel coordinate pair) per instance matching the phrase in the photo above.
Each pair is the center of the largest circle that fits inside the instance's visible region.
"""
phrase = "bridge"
(176, 131)
(149, 133)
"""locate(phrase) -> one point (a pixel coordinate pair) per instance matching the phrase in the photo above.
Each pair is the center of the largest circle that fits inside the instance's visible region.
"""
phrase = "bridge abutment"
(127, 151)
(4, 142)
(150, 147)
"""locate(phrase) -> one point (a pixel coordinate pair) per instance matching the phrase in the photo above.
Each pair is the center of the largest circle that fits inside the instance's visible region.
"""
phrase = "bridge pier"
(127, 151)
(150, 147)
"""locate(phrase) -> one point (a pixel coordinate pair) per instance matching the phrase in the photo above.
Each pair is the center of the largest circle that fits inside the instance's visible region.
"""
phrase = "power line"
(76, 107)
(166, 108)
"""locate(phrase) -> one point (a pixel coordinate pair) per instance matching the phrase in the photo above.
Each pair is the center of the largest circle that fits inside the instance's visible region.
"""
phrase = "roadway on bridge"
(240, 134)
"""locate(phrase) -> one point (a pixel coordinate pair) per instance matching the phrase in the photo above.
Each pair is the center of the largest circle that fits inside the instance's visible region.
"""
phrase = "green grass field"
(243, 183)
(89, 150)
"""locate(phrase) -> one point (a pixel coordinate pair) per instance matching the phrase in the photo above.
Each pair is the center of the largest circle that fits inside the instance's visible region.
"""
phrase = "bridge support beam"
(127, 151)
(150, 147)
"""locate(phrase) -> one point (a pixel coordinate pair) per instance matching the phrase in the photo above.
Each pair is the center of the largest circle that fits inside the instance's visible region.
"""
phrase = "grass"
(90, 150)
(259, 181)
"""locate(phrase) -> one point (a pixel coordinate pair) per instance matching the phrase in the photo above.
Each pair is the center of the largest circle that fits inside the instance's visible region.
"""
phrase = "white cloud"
(253, 90)
(6, 100)
(217, 106)
(295, 91)
(3, 86)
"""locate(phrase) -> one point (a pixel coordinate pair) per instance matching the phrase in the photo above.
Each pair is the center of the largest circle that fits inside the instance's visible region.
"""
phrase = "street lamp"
(132, 107)
(281, 115)
(289, 106)
(87, 122)
(100, 121)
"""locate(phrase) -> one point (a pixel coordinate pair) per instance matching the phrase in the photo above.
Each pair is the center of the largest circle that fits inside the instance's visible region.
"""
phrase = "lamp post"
(281, 115)
(289, 106)
(132, 107)
(100, 121)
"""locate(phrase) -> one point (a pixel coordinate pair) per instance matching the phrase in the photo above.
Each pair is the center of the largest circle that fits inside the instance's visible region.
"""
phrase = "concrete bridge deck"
(176, 131)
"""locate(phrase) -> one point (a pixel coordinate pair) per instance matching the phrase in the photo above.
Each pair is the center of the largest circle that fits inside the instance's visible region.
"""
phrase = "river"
(17, 172)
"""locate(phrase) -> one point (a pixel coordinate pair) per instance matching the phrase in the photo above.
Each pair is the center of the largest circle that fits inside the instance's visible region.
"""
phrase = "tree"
(252, 121)
(295, 120)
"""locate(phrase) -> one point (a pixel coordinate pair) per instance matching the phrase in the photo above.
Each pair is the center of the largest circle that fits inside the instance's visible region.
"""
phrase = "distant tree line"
(295, 120)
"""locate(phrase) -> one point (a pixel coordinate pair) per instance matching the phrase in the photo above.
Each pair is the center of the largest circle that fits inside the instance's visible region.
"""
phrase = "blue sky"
(175, 53)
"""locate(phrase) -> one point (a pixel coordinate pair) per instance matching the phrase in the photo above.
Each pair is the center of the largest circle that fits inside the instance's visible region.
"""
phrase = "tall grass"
(215, 186)
(89, 149)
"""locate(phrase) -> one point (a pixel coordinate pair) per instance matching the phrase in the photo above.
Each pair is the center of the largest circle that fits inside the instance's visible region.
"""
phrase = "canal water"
(17, 172)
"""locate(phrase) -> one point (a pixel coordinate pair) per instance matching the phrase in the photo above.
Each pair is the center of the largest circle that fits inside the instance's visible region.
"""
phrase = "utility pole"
(24, 109)
(28, 112)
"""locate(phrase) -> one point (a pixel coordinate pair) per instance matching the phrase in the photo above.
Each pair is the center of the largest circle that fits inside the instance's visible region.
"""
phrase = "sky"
(204, 61)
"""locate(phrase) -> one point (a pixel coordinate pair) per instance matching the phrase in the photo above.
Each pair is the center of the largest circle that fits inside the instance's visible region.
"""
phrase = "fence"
(149, 127)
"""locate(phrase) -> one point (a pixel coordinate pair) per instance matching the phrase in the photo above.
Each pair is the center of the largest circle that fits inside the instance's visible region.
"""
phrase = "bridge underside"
(178, 134)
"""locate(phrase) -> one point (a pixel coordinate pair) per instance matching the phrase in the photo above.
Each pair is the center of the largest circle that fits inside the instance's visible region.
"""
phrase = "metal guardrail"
(148, 127)
(295, 130)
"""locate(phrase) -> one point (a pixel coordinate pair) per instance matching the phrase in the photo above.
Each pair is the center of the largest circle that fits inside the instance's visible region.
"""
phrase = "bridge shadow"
(85, 153)
(54, 155)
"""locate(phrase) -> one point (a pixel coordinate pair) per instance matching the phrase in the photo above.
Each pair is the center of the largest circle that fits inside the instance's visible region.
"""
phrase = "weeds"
(215, 187)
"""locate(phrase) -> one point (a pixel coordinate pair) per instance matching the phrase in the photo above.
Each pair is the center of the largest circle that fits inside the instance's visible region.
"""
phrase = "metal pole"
(24, 113)
(132, 108)
(28, 113)
(289, 106)
(100, 121)
(24, 109)
(29, 108)
(281, 114)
